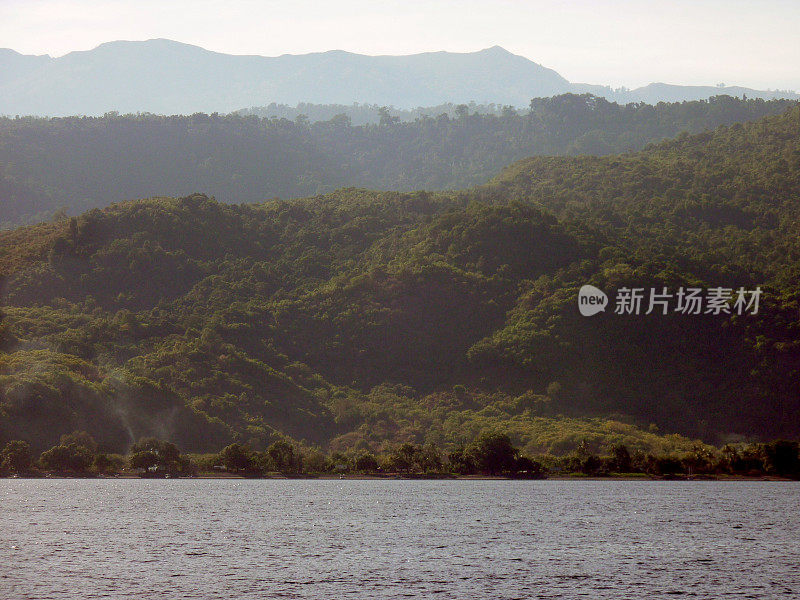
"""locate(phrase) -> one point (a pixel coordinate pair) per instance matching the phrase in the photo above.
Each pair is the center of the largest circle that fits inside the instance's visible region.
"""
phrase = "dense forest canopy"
(358, 318)
(75, 164)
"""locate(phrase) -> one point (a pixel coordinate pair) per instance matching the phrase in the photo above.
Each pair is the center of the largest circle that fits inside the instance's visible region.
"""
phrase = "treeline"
(491, 454)
(369, 114)
(70, 165)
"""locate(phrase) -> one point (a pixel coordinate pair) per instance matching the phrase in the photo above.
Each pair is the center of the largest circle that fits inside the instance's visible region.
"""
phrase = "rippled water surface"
(230, 539)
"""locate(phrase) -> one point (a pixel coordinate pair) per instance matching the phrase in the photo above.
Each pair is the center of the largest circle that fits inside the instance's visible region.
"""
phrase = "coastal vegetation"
(491, 454)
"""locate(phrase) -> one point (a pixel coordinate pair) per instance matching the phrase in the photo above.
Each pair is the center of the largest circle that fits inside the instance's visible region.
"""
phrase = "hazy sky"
(753, 43)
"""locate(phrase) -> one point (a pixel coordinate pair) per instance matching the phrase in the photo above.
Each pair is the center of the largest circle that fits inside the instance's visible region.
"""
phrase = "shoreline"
(444, 477)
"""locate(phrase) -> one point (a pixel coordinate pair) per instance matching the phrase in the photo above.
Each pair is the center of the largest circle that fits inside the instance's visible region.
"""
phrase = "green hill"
(361, 318)
(74, 164)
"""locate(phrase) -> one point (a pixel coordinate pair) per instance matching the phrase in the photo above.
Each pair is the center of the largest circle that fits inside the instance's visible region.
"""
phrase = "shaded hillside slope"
(360, 318)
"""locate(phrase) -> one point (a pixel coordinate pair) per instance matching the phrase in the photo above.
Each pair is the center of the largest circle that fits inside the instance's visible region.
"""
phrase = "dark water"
(464, 540)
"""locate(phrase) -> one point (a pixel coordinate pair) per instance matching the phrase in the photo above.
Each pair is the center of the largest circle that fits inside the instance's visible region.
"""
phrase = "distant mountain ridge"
(167, 77)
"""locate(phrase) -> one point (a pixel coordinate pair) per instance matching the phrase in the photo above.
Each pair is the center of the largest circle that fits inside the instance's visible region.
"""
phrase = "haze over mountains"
(166, 77)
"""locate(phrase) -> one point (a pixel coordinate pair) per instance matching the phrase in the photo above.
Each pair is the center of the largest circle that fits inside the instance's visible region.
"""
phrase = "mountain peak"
(495, 50)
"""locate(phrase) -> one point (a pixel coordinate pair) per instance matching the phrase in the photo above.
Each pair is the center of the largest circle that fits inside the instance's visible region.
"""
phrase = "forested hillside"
(76, 164)
(361, 318)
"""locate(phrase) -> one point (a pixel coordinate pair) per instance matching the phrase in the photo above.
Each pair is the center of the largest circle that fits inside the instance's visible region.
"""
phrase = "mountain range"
(167, 77)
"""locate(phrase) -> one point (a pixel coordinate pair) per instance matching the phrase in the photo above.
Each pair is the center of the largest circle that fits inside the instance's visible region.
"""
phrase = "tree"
(493, 453)
(166, 451)
(74, 453)
(429, 459)
(79, 438)
(781, 457)
(666, 465)
(73, 232)
(282, 456)
(158, 457)
(102, 463)
(67, 458)
(366, 463)
(314, 461)
(697, 461)
(405, 458)
(460, 461)
(237, 457)
(144, 459)
(592, 465)
(15, 457)
(528, 468)
(621, 458)
(385, 117)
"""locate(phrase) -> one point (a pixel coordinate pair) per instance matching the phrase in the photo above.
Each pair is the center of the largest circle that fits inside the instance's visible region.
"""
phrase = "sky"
(619, 43)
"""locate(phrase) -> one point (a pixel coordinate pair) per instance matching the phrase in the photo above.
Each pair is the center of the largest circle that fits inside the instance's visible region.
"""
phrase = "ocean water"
(331, 539)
